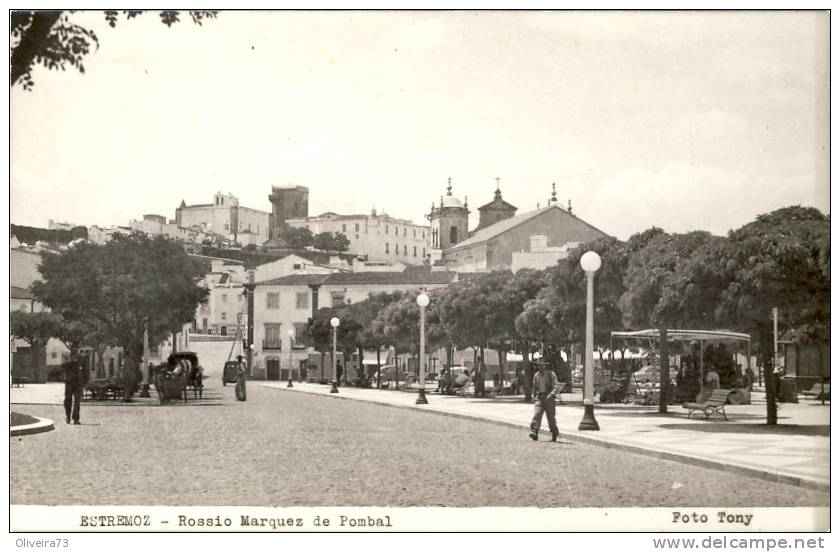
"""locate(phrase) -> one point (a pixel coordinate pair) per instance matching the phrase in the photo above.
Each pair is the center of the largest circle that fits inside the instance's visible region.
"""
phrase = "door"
(272, 368)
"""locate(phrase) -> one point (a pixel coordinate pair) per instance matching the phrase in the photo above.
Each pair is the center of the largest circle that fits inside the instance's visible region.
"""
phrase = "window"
(54, 354)
(224, 316)
(414, 232)
(424, 251)
(396, 249)
(453, 235)
(300, 334)
(405, 232)
(405, 250)
(387, 228)
(337, 298)
(272, 337)
(224, 298)
(344, 228)
(357, 229)
(424, 234)
(415, 250)
(273, 301)
(357, 236)
(302, 300)
(386, 248)
(396, 231)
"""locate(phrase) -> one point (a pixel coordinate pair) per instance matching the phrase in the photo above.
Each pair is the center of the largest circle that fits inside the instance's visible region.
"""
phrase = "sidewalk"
(796, 451)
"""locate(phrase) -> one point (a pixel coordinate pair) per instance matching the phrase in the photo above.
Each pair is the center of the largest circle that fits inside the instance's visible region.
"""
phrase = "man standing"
(74, 385)
(545, 389)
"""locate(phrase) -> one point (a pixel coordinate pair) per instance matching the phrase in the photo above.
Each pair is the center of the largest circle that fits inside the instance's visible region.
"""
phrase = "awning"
(384, 356)
(685, 335)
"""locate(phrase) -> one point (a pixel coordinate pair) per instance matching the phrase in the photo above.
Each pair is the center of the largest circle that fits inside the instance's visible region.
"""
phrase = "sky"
(682, 120)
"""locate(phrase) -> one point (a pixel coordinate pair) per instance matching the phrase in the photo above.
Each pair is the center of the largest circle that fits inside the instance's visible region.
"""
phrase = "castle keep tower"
(287, 202)
(448, 223)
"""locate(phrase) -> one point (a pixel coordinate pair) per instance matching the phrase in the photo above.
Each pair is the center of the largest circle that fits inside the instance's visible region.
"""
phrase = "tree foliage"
(36, 328)
(121, 288)
(329, 241)
(51, 39)
(296, 238)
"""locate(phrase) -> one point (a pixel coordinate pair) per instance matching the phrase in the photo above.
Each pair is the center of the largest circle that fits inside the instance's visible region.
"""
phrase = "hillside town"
(240, 245)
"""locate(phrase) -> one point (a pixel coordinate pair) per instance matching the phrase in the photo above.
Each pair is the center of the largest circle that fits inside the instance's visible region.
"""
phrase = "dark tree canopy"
(50, 38)
(119, 289)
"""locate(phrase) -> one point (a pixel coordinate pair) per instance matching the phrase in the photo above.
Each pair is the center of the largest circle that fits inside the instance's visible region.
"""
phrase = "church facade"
(504, 240)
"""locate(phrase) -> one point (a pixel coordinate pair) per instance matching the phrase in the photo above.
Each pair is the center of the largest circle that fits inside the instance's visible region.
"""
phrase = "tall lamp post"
(423, 302)
(291, 339)
(334, 322)
(590, 262)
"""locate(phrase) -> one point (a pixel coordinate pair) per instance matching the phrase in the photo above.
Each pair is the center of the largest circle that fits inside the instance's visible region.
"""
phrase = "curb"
(41, 426)
(767, 475)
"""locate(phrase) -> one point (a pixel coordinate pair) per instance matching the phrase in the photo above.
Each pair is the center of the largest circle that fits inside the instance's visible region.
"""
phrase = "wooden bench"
(715, 404)
(819, 391)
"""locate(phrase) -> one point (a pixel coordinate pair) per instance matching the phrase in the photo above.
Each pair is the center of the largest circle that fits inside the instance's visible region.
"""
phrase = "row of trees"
(109, 295)
(301, 238)
(654, 279)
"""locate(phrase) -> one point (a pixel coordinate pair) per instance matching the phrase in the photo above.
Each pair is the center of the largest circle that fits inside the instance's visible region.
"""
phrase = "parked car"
(386, 375)
(230, 373)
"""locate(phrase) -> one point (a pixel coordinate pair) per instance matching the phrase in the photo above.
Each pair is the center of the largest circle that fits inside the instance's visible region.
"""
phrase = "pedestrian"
(239, 389)
(545, 388)
(74, 384)
(339, 371)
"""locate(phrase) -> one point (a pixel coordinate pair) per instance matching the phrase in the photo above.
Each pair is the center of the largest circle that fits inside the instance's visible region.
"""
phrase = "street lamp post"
(291, 338)
(423, 302)
(334, 322)
(590, 262)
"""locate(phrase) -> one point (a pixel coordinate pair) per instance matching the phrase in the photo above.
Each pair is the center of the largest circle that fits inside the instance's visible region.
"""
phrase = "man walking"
(74, 385)
(545, 389)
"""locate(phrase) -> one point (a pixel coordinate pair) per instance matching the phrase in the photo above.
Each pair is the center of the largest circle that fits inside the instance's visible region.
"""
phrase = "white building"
(226, 307)
(227, 218)
(283, 306)
(378, 237)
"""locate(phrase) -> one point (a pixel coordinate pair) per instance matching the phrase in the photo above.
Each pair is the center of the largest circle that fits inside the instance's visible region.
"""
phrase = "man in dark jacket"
(74, 384)
(545, 389)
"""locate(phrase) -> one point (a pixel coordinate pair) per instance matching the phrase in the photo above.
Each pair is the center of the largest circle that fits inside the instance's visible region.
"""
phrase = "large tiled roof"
(503, 226)
(296, 280)
(421, 275)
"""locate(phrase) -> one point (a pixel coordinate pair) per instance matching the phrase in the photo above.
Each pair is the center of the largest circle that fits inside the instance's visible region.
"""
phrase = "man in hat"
(545, 389)
(74, 384)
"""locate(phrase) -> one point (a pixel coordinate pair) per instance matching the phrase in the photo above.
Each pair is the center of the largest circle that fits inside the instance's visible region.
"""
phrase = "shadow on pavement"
(733, 427)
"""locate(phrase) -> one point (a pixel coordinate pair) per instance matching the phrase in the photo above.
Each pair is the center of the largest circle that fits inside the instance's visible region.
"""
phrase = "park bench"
(715, 404)
(819, 391)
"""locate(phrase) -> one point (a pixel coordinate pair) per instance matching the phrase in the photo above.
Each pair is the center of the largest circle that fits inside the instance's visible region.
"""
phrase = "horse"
(195, 380)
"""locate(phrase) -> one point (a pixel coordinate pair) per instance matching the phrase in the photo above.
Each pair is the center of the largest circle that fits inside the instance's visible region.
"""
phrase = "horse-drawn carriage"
(179, 375)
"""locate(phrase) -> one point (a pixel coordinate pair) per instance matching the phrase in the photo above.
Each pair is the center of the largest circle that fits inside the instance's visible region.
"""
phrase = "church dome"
(451, 201)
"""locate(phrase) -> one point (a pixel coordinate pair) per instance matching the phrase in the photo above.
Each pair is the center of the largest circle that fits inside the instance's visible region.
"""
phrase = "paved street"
(296, 449)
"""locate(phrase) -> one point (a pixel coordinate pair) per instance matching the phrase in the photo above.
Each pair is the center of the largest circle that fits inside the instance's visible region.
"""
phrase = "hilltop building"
(227, 218)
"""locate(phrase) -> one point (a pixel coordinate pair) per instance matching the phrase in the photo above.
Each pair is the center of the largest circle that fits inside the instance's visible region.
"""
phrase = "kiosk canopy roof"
(686, 335)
